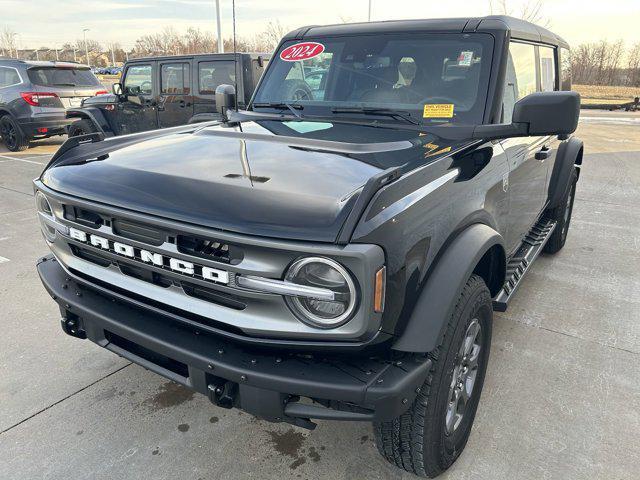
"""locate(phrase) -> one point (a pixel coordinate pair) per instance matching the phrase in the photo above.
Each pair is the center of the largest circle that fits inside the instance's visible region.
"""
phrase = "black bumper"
(54, 125)
(259, 381)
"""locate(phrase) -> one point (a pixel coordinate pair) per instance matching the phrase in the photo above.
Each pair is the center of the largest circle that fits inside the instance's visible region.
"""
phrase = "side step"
(531, 247)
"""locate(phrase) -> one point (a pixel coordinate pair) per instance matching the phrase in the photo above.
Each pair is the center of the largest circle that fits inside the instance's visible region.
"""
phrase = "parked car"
(165, 92)
(334, 256)
(34, 97)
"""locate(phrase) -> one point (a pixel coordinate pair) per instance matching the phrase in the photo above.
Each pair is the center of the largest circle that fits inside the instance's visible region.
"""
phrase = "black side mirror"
(116, 88)
(541, 113)
(548, 113)
(225, 100)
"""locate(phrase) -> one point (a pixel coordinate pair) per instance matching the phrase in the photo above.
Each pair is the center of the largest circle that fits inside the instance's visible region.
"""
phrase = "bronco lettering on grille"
(146, 256)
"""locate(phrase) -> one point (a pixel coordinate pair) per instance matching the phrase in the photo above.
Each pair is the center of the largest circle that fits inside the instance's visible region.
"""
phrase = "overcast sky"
(45, 23)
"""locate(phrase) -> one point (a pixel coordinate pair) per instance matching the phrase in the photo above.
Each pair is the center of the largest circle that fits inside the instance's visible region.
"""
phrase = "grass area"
(606, 94)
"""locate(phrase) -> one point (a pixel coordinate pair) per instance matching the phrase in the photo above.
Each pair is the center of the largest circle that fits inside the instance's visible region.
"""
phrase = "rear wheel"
(12, 135)
(562, 215)
(430, 436)
(81, 127)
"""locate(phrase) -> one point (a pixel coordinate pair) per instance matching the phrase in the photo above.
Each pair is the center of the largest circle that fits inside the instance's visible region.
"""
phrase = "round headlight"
(44, 209)
(325, 274)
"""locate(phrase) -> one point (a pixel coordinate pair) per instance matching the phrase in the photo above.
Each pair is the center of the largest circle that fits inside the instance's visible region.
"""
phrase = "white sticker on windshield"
(465, 59)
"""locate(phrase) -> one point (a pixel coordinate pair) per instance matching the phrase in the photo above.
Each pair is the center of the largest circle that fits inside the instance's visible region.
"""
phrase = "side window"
(213, 74)
(138, 80)
(565, 69)
(8, 77)
(174, 79)
(520, 80)
(547, 69)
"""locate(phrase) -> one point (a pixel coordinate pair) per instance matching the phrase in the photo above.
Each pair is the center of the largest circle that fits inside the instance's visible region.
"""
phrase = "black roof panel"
(519, 29)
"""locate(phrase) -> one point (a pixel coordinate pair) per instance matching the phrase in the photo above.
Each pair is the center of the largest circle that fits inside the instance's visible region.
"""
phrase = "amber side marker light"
(379, 290)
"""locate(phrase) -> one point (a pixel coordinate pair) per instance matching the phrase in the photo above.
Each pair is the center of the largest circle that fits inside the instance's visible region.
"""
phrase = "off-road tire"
(12, 135)
(562, 215)
(81, 127)
(417, 440)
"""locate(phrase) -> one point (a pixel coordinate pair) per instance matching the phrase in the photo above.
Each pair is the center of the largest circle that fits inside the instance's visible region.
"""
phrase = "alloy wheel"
(464, 376)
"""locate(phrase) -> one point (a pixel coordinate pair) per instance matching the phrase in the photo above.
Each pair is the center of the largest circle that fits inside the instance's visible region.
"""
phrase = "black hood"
(105, 99)
(293, 180)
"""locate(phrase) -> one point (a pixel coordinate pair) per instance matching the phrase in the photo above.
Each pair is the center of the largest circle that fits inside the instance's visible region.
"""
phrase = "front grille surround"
(265, 315)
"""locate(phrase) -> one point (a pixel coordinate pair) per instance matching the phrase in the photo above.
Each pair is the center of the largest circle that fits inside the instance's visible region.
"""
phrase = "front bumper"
(266, 384)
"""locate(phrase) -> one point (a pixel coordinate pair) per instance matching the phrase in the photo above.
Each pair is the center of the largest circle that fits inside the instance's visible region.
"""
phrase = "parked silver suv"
(35, 95)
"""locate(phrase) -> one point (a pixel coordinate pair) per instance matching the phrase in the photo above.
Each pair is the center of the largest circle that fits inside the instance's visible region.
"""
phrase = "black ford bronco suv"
(336, 250)
(162, 92)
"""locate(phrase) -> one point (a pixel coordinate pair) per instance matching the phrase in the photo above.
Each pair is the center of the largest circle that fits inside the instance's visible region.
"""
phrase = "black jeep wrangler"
(335, 251)
(162, 92)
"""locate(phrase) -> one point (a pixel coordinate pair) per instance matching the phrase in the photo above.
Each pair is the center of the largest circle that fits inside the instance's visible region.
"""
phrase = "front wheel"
(430, 436)
(81, 127)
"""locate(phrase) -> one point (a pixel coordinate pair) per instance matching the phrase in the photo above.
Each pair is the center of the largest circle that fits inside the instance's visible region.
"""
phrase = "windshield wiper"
(378, 111)
(65, 84)
(294, 107)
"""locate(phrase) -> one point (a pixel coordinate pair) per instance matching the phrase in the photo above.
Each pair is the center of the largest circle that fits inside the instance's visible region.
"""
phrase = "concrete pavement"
(561, 399)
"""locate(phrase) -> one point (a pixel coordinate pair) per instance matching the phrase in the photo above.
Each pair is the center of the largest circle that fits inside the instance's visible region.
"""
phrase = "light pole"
(86, 48)
(220, 44)
(370, 7)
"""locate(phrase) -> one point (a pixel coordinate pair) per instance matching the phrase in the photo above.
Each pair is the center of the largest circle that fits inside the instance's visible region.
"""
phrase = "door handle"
(543, 153)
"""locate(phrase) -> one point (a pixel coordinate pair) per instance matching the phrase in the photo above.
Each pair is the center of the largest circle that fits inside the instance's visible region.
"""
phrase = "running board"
(519, 264)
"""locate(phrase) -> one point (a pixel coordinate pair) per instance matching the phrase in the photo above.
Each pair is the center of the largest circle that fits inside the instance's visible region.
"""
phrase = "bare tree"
(633, 66)
(531, 11)
(8, 43)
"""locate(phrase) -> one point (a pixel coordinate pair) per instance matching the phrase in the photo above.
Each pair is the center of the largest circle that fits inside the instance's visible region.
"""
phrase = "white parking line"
(3, 260)
(21, 160)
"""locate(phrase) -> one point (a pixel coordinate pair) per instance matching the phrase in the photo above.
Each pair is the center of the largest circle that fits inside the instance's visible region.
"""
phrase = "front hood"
(293, 180)
(100, 100)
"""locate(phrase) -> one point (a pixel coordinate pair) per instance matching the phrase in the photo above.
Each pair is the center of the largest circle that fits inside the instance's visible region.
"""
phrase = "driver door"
(138, 112)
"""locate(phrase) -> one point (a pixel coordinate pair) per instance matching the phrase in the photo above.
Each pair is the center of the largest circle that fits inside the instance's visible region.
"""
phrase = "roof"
(519, 29)
(40, 63)
(196, 55)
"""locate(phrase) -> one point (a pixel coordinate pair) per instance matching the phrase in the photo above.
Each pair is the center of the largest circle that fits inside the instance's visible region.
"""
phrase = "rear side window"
(62, 77)
(547, 69)
(8, 77)
(520, 80)
(137, 80)
(212, 74)
(174, 79)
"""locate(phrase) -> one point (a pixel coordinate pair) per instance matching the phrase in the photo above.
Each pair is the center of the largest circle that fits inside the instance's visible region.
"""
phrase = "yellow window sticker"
(438, 110)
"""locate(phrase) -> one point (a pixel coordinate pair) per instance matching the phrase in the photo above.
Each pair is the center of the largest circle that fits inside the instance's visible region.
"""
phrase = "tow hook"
(72, 325)
(223, 394)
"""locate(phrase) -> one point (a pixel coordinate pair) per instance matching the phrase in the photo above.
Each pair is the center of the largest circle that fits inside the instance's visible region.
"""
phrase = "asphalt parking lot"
(561, 399)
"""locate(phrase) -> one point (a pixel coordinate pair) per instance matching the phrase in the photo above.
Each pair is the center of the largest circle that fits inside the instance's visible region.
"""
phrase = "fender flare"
(569, 154)
(433, 309)
(93, 114)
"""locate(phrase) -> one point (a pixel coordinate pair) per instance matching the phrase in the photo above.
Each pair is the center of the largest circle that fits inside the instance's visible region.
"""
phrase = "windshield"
(427, 78)
(62, 77)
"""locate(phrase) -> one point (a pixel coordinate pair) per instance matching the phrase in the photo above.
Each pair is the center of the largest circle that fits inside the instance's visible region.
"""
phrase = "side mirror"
(548, 113)
(225, 100)
(541, 113)
(116, 88)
